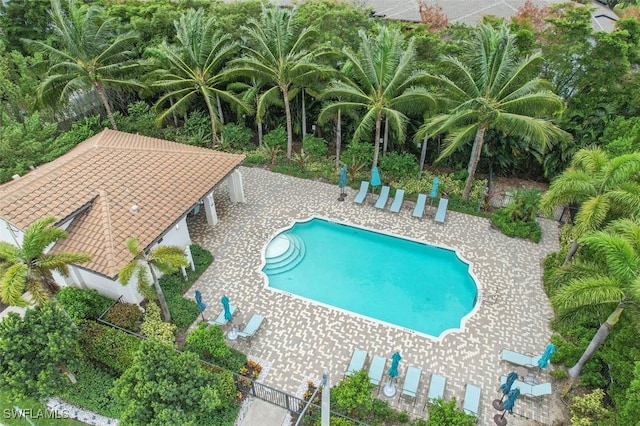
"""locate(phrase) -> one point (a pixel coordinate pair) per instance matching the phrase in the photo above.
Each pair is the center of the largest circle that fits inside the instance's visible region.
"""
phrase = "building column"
(210, 210)
(236, 190)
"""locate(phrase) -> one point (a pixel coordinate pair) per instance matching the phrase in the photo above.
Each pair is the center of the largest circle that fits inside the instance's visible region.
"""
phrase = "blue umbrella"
(342, 182)
(506, 386)
(543, 362)
(375, 177)
(395, 360)
(227, 309)
(201, 306)
(434, 188)
(511, 400)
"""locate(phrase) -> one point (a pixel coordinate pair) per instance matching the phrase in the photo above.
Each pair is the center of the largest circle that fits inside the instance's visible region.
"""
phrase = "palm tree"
(29, 267)
(381, 79)
(492, 89)
(609, 283)
(277, 51)
(193, 68)
(165, 259)
(604, 188)
(91, 55)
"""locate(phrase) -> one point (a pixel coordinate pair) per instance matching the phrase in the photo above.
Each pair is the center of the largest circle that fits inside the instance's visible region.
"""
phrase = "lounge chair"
(220, 319)
(436, 388)
(529, 389)
(357, 361)
(519, 359)
(441, 213)
(411, 382)
(252, 326)
(471, 401)
(362, 194)
(382, 199)
(419, 210)
(397, 201)
(376, 369)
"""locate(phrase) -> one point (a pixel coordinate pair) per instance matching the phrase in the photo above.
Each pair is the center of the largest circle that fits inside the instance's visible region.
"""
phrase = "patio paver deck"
(300, 338)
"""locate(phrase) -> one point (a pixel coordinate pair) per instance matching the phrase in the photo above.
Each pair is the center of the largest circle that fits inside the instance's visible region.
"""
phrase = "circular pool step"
(283, 253)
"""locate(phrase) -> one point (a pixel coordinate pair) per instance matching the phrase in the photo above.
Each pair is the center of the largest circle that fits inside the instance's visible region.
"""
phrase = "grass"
(36, 411)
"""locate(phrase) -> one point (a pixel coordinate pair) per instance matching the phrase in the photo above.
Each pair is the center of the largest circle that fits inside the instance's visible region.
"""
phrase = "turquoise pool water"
(402, 282)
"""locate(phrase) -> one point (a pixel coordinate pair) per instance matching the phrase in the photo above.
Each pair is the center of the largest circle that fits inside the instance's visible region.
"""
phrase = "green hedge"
(83, 303)
(107, 345)
(530, 230)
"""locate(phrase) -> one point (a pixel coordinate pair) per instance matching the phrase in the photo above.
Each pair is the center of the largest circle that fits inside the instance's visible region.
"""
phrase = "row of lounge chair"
(398, 199)
(248, 331)
(471, 401)
(530, 389)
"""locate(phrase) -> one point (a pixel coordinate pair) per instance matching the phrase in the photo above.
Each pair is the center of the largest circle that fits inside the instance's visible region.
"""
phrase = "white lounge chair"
(376, 369)
(357, 361)
(397, 201)
(362, 194)
(252, 326)
(441, 213)
(519, 359)
(436, 388)
(382, 199)
(471, 401)
(220, 319)
(418, 211)
(529, 389)
(411, 382)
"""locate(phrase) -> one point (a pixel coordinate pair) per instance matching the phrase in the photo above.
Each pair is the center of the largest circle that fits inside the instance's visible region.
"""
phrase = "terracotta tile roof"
(109, 173)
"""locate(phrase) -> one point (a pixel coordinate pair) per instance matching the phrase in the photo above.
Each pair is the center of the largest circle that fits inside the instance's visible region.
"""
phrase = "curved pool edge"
(445, 333)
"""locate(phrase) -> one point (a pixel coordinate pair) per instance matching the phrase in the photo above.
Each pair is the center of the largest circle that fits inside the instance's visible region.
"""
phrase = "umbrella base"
(497, 404)
(342, 196)
(500, 420)
(389, 390)
(232, 334)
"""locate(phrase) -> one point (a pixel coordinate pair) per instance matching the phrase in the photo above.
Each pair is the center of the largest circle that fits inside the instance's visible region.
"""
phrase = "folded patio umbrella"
(227, 309)
(543, 362)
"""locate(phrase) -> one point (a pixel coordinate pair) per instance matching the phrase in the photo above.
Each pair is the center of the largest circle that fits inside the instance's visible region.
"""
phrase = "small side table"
(522, 373)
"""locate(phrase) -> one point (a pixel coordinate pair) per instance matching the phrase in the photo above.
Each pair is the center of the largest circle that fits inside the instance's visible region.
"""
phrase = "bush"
(80, 131)
(196, 130)
(396, 166)
(588, 410)
(238, 137)
(201, 258)
(257, 158)
(208, 342)
(277, 138)
(83, 303)
(107, 345)
(140, 119)
(183, 311)
(445, 413)
(234, 361)
(353, 395)
(154, 327)
(501, 219)
(315, 147)
(125, 315)
(357, 153)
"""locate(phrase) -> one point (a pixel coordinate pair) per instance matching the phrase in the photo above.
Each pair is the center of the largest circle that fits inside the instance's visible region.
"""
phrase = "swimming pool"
(406, 283)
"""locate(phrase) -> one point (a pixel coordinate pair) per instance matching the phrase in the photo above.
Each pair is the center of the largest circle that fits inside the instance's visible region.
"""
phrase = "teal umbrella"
(227, 309)
(508, 406)
(543, 362)
(201, 305)
(375, 177)
(395, 361)
(505, 388)
(342, 182)
(434, 187)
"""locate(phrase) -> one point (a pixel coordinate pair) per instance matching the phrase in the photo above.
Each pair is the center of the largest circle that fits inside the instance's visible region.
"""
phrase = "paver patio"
(300, 338)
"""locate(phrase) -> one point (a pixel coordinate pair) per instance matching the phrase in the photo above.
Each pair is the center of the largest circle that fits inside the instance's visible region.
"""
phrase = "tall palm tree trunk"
(166, 315)
(220, 114)
(338, 138)
(597, 341)
(212, 117)
(386, 136)
(376, 144)
(105, 102)
(259, 124)
(287, 111)
(473, 161)
(304, 116)
(572, 251)
(423, 155)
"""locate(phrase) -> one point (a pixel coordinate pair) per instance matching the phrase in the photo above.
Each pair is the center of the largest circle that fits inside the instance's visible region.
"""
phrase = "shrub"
(315, 147)
(183, 311)
(125, 315)
(83, 303)
(234, 361)
(107, 345)
(357, 153)
(530, 229)
(588, 410)
(80, 131)
(140, 119)
(196, 130)
(277, 138)
(238, 137)
(154, 327)
(396, 166)
(257, 158)
(353, 395)
(208, 342)
(445, 413)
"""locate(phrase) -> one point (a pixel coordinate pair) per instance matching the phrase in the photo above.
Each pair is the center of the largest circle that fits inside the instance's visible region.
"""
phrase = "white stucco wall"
(10, 233)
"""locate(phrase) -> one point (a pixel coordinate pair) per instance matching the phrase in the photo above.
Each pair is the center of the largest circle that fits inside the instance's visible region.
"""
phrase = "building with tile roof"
(114, 186)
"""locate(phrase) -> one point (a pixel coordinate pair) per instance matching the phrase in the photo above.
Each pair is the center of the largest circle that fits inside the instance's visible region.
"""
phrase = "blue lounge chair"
(419, 210)
(436, 388)
(471, 401)
(397, 201)
(382, 199)
(519, 359)
(530, 389)
(220, 319)
(357, 361)
(362, 194)
(411, 382)
(376, 369)
(252, 326)
(441, 213)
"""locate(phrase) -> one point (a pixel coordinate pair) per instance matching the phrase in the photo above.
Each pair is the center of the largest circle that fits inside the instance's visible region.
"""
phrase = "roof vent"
(134, 209)
(15, 177)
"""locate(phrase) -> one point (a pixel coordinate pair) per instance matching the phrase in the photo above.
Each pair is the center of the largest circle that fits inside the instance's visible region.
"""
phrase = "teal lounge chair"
(411, 382)
(531, 390)
(436, 388)
(357, 361)
(382, 199)
(397, 201)
(441, 213)
(362, 194)
(471, 401)
(252, 326)
(376, 369)
(220, 319)
(419, 210)
(519, 359)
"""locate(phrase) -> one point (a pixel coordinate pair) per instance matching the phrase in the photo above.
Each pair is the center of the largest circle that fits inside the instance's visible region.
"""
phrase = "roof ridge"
(107, 229)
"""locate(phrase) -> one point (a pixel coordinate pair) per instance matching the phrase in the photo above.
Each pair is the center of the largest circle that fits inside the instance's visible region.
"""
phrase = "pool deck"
(300, 338)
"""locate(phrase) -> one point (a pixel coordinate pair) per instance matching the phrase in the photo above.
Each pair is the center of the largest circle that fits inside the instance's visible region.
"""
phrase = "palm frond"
(12, 284)
(589, 292)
